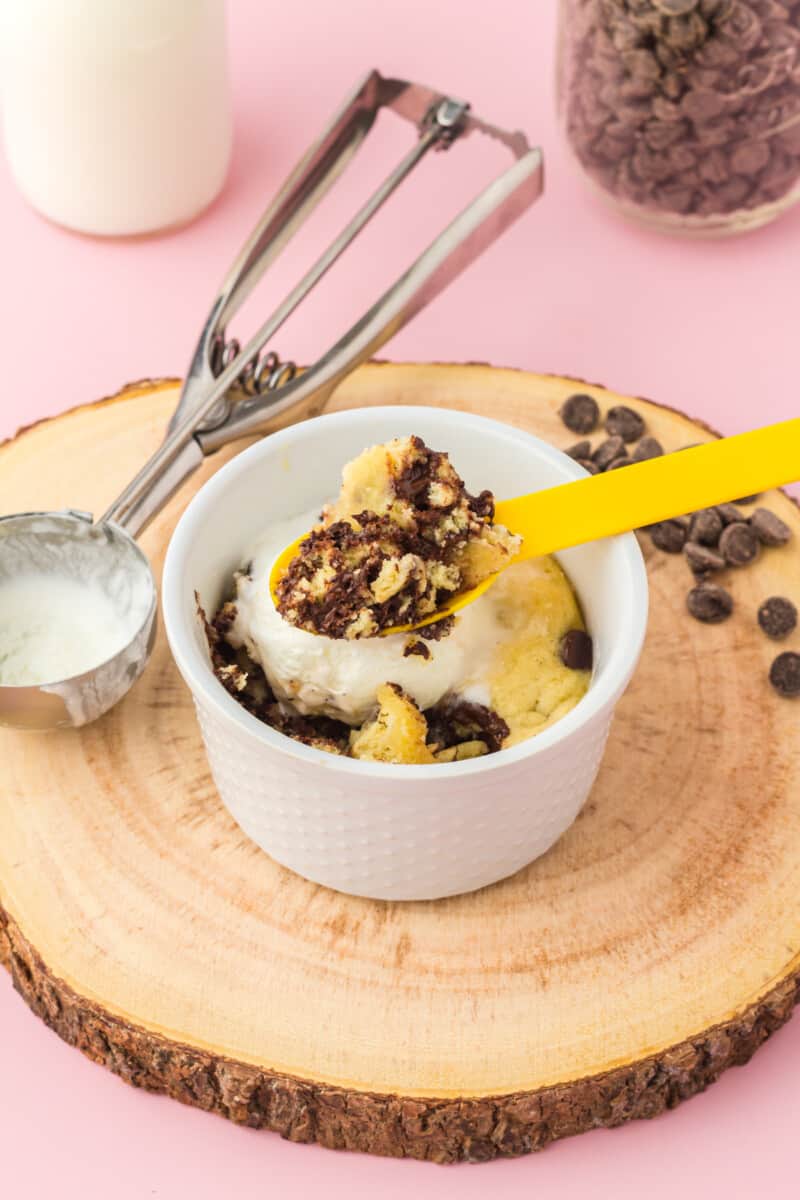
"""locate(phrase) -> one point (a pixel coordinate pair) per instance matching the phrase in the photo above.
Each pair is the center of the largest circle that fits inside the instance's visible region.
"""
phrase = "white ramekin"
(372, 829)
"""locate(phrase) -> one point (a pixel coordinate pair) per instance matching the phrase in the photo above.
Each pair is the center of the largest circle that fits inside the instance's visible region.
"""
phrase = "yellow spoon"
(603, 505)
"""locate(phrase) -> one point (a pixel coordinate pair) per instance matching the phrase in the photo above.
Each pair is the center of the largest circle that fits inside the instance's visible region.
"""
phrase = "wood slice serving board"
(657, 944)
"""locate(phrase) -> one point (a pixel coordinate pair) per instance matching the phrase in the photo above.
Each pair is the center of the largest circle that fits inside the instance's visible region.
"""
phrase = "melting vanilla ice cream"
(402, 536)
(339, 678)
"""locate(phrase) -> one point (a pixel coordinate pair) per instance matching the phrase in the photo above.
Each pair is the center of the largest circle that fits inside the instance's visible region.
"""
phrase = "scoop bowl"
(68, 545)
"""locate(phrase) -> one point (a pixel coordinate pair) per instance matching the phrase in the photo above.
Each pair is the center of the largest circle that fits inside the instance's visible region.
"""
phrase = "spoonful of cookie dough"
(405, 544)
(403, 538)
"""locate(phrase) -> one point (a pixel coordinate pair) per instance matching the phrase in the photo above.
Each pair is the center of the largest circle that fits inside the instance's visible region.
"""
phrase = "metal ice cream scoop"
(231, 392)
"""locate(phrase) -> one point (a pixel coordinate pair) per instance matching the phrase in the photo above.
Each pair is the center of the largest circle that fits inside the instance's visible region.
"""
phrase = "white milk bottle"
(116, 113)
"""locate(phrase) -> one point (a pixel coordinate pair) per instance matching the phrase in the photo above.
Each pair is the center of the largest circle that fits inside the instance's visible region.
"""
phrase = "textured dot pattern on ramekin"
(391, 838)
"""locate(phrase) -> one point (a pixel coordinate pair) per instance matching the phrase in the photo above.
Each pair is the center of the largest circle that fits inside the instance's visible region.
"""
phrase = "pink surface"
(707, 327)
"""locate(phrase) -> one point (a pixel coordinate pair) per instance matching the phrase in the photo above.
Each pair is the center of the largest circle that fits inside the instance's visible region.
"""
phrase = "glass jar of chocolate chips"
(685, 113)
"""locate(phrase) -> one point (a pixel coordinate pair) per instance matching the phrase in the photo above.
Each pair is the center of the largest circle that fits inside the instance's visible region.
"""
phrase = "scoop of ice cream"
(340, 677)
(403, 536)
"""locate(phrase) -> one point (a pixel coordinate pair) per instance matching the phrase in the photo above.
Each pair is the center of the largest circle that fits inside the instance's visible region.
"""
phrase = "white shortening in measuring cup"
(116, 113)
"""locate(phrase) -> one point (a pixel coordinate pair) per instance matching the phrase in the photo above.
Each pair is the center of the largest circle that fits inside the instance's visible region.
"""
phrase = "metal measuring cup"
(231, 392)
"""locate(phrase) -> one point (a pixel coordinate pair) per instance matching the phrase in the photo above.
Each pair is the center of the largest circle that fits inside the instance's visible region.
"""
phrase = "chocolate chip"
(747, 499)
(622, 461)
(648, 447)
(784, 674)
(702, 559)
(588, 465)
(709, 603)
(669, 536)
(730, 513)
(580, 450)
(437, 629)
(706, 526)
(750, 158)
(453, 721)
(777, 616)
(623, 422)
(580, 413)
(607, 451)
(738, 544)
(576, 650)
(769, 528)
(685, 107)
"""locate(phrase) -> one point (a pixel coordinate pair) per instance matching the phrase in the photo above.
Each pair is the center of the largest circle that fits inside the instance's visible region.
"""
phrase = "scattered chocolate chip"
(580, 450)
(648, 447)
(784, 674)
(576, 650)
(622, 461)
(709, 603)
(416, 647)
(747, 499)
(777, 616)
(588, 465)
(706, 527)
(624, 422)
(607, 451)
(702, 559)
(738, 544)
(769, 528)
(669, 536)
(730, 513)
(580, 413)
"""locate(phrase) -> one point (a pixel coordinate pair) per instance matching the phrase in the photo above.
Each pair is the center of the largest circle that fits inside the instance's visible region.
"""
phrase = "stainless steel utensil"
(230, 392)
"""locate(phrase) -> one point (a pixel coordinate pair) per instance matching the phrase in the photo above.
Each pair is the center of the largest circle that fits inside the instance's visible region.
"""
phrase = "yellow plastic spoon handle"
(600, 506)
(619, 501)
(643, 493)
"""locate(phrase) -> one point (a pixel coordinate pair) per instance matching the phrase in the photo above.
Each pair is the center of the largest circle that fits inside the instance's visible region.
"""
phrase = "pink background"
(708, 327)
